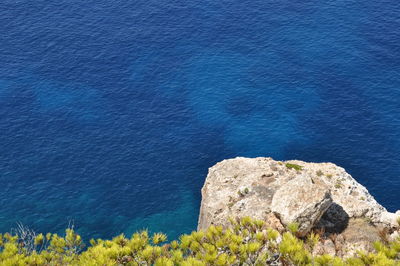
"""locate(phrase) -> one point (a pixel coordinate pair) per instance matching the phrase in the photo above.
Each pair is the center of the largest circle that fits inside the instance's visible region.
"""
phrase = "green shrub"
(245, 242)
(338, 184)
(294, 166)
(293, 227)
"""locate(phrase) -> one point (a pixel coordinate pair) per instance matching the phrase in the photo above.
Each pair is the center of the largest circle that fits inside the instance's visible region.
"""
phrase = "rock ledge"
(315, 195)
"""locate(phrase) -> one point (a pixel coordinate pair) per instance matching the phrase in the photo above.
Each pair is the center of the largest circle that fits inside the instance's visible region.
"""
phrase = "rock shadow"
(334, 221)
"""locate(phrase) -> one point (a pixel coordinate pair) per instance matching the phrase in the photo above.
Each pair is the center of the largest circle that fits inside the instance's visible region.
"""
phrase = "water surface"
(111, 112)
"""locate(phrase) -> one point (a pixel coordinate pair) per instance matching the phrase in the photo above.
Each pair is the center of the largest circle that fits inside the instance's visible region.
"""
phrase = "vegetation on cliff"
(245, 242)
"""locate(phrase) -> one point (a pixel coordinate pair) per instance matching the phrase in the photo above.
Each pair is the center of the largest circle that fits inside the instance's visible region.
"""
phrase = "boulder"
(301, 201)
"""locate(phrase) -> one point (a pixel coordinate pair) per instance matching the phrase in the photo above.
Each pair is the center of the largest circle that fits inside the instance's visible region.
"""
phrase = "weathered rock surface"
(302, 201)
(262, 187)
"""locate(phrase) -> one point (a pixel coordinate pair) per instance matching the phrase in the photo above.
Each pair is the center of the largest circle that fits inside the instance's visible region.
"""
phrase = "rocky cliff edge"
(317, 196)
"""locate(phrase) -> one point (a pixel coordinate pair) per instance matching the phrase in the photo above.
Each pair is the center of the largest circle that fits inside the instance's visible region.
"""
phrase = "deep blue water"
(111, 112)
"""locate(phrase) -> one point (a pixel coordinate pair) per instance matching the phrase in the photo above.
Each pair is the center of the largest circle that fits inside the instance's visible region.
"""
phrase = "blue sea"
(111, 112)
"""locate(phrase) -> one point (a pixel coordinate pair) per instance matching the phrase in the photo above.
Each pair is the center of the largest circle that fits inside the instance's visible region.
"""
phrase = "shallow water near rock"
(112, 112)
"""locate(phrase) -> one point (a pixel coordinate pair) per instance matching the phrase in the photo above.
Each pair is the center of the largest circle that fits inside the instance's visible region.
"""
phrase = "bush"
(294, 166)
(245, 242)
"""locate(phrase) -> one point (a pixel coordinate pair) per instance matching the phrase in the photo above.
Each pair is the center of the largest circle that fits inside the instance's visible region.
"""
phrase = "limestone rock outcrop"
(315, 195)
(301, 201)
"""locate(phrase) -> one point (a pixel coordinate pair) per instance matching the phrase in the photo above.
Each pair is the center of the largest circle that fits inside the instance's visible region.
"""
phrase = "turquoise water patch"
(75, 101)
(183, 219)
